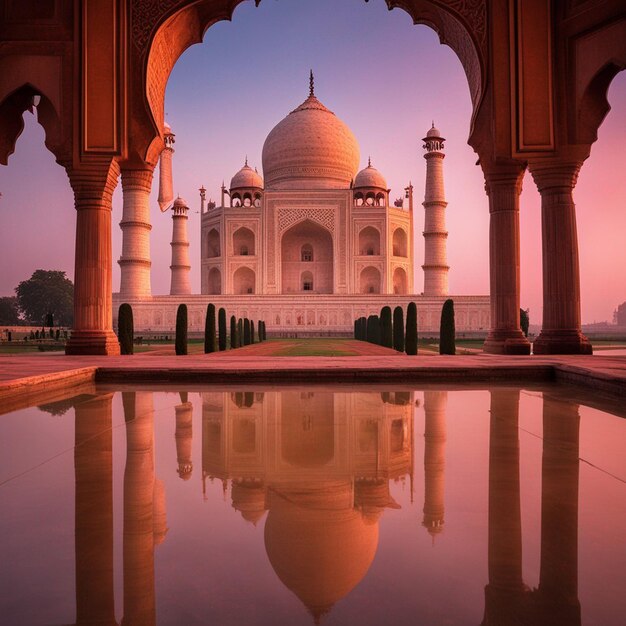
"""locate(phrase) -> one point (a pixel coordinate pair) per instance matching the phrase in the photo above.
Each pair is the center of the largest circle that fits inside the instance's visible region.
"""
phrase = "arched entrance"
(214, 281)
(369, 241)
(244, 281)
(306, 254)
(400, 283)
(370, 280)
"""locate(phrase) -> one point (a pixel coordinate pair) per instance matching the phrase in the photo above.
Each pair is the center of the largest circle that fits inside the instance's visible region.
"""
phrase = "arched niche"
(214, 281)
(369, 241)
(244, 281)
(213, 247)
(400, 282)
(307, 428)
(370, 280)
(399, 243)
(243, 242)
(306, 281)
(314, 238)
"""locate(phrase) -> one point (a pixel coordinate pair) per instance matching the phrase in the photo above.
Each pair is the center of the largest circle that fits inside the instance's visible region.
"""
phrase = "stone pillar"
(435, 403)
(93, 536)
(503, 184)
(504, 594)
(139, 481)
(181, 266)
(92, 332)
(561, 329)
(184, 437)
(435, 234)
(558, 577)
(135, 260)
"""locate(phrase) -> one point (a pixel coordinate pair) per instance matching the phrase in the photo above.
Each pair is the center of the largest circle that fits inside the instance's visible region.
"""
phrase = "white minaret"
(435, 234)
(166, 185)
(180, 266)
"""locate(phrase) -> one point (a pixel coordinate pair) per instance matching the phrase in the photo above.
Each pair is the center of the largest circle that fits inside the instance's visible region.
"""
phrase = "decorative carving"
(290, 217)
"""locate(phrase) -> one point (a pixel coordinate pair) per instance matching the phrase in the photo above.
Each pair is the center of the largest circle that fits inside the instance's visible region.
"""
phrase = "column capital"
(555, 175)
(504, 175)
(93, 182)
(137, 178)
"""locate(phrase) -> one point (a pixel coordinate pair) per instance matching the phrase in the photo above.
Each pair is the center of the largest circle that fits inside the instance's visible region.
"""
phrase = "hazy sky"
(384, 77)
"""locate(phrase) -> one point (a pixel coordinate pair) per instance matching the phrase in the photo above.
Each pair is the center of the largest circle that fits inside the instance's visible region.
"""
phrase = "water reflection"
(316, 467)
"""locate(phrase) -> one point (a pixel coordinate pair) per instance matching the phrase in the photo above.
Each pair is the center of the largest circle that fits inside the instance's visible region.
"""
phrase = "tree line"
(391, 331)
(242, 331)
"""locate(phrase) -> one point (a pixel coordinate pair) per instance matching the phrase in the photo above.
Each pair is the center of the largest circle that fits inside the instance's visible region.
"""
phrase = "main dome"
(311, 148)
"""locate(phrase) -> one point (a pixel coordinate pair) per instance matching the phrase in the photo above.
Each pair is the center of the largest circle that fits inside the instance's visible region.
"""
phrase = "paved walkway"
(24, 379)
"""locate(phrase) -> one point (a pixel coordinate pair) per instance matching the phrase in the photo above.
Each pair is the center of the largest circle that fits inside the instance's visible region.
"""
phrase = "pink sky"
(383, 76)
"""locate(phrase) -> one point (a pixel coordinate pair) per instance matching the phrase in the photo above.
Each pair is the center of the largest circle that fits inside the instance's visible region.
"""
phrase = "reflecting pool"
(293, 506)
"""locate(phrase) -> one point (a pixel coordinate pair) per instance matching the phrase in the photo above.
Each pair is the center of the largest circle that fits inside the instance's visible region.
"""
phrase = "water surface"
(298, 506)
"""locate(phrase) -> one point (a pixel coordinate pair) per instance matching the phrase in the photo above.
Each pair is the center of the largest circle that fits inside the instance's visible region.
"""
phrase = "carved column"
(93, 186)
(503, 183)
(93, 538)
(558, 578)
(504, 595)
(135, 260)
(561, 330)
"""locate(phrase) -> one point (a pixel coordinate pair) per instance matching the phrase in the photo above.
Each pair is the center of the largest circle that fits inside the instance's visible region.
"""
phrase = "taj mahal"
(309, 246)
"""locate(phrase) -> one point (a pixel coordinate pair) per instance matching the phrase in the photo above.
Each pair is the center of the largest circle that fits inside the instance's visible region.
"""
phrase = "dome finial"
(311, 84)
(246, 163)
(433, 124)
(369, 161)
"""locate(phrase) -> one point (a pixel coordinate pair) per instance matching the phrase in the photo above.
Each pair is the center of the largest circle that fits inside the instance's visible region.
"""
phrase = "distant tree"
(620, 315)
(180, 344)
(234, 341)
(9, 314)
(221, 318)
(447, 330)
(246, 331)
(49, 320)
(524, 321)
(398, 329)
(356, 329)
(386, 328)
(125, 330)
(210, 343)
(410, 343)
(240, 333)
(261, 330)
(46, 293)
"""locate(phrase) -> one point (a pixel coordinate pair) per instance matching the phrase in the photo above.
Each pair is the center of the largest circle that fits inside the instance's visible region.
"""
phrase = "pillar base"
(506, 342)
(93, 342)
(562, 342)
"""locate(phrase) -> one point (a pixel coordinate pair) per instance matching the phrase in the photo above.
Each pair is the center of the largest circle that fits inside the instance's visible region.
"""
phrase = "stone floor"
(25, 379)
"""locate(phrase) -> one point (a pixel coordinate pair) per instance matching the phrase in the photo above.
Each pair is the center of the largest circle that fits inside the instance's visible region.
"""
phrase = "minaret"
(180, 266)
(135, 259)
(435, 403)
(435, 234)
(166, 186)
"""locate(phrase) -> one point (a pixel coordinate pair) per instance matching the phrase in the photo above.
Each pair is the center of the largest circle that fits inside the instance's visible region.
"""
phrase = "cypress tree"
(356, 329)
(398, 329)
(386, 330)
(240, 342)
(246, 331)
(364, 328)
(524, 321)
(411, 329)
(446, 329)
(234, 340)
(209, 329)
(221, 318)
(261, 330)
(373, 329)
(180, 344)
(251, 331)
(125, 328)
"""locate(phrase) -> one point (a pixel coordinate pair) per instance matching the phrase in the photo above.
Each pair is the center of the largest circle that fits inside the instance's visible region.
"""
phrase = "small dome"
(433, 132)
(370, 177)
(246, 177)
(180, 202)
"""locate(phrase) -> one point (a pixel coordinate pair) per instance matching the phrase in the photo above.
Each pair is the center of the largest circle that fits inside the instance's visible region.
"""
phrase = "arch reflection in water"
(320, 463)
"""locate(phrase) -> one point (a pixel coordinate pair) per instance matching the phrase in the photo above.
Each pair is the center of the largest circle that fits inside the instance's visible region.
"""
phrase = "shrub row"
(391, 332)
